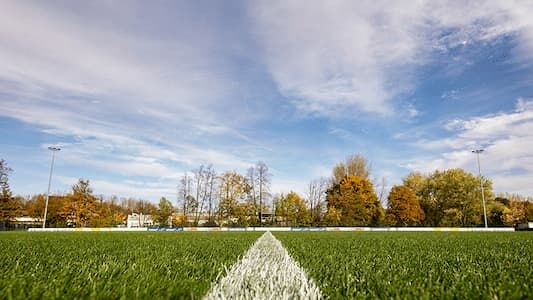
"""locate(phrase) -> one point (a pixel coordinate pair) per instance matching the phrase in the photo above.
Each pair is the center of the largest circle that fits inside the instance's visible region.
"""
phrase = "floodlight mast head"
(477, 151)
(52, 148)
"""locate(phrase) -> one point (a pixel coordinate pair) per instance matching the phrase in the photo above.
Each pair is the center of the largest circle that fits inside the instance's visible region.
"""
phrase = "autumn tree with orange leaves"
(404, 207)
(354, 202)
(80, 205)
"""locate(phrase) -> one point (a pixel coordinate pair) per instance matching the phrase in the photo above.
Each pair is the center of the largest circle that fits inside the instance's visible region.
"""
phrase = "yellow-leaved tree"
(403, 207)
(80, 205)
(355, 202)
(451, 197)
(232, 187)
(292, 210)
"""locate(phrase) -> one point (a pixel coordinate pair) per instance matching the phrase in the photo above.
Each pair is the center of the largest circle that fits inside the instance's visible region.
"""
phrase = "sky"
(136, 93)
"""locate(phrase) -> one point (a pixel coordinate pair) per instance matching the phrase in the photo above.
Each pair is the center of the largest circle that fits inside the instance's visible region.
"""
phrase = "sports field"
(416, 265)
(333, 265)
(101, 265)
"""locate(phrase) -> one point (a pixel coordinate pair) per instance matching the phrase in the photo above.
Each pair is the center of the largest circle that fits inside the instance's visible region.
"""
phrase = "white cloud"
(131, 98)
(46, 49)
(285, 186)
(342, 134)
(328, 55)
(412, 112)
(79, 60)
(524, 105)
(450, 95)
(337, 57)
(507, 139)
(134, 103)
(125, 188)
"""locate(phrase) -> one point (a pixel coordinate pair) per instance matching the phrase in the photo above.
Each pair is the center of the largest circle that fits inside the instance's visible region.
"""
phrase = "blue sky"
(136, 93)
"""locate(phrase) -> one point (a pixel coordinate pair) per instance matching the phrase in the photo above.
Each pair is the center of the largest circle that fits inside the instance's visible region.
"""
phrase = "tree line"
(348, 198)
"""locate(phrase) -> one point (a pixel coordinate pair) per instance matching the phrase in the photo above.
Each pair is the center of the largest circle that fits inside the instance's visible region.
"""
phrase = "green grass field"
(162, 265)
(434, 265)
(115, 265)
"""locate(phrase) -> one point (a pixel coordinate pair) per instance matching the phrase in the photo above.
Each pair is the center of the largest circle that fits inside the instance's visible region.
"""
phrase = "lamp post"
(54, 150)
(477, 152)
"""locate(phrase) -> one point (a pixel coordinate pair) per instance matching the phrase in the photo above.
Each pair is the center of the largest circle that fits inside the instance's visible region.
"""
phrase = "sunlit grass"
(115, 265)
(416, 265)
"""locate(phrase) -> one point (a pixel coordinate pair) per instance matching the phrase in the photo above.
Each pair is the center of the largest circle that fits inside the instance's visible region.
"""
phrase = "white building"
(139, 220)
(28, 220)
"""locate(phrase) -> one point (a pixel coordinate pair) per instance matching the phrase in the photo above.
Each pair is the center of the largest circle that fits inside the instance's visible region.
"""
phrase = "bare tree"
(205, 181)
(353, 165)
(143, 208)
(252, 189)
(185, 194)
(211, 183)
(382, 185)
(316, 196)
(263, 184)
(199, 179)
(197, 193)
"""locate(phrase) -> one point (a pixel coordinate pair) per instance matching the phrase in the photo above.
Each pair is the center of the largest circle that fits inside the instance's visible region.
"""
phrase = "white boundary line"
(266, 271)
(86, 229)
(462, 229)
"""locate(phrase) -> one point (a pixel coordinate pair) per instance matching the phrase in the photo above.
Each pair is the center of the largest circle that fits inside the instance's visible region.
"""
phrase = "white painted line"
(466, 229)
(266, 271)
(87, 229)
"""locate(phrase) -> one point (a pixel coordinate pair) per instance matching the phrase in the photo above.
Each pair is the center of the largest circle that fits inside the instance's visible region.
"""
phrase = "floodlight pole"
(477, 152)
(54, 150)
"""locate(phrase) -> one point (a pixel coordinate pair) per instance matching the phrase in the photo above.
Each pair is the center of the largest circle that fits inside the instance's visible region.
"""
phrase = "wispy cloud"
(507, 138)
(134, 103)
(342, 134)
(138, 100)
(340, 57)
(127, 188)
